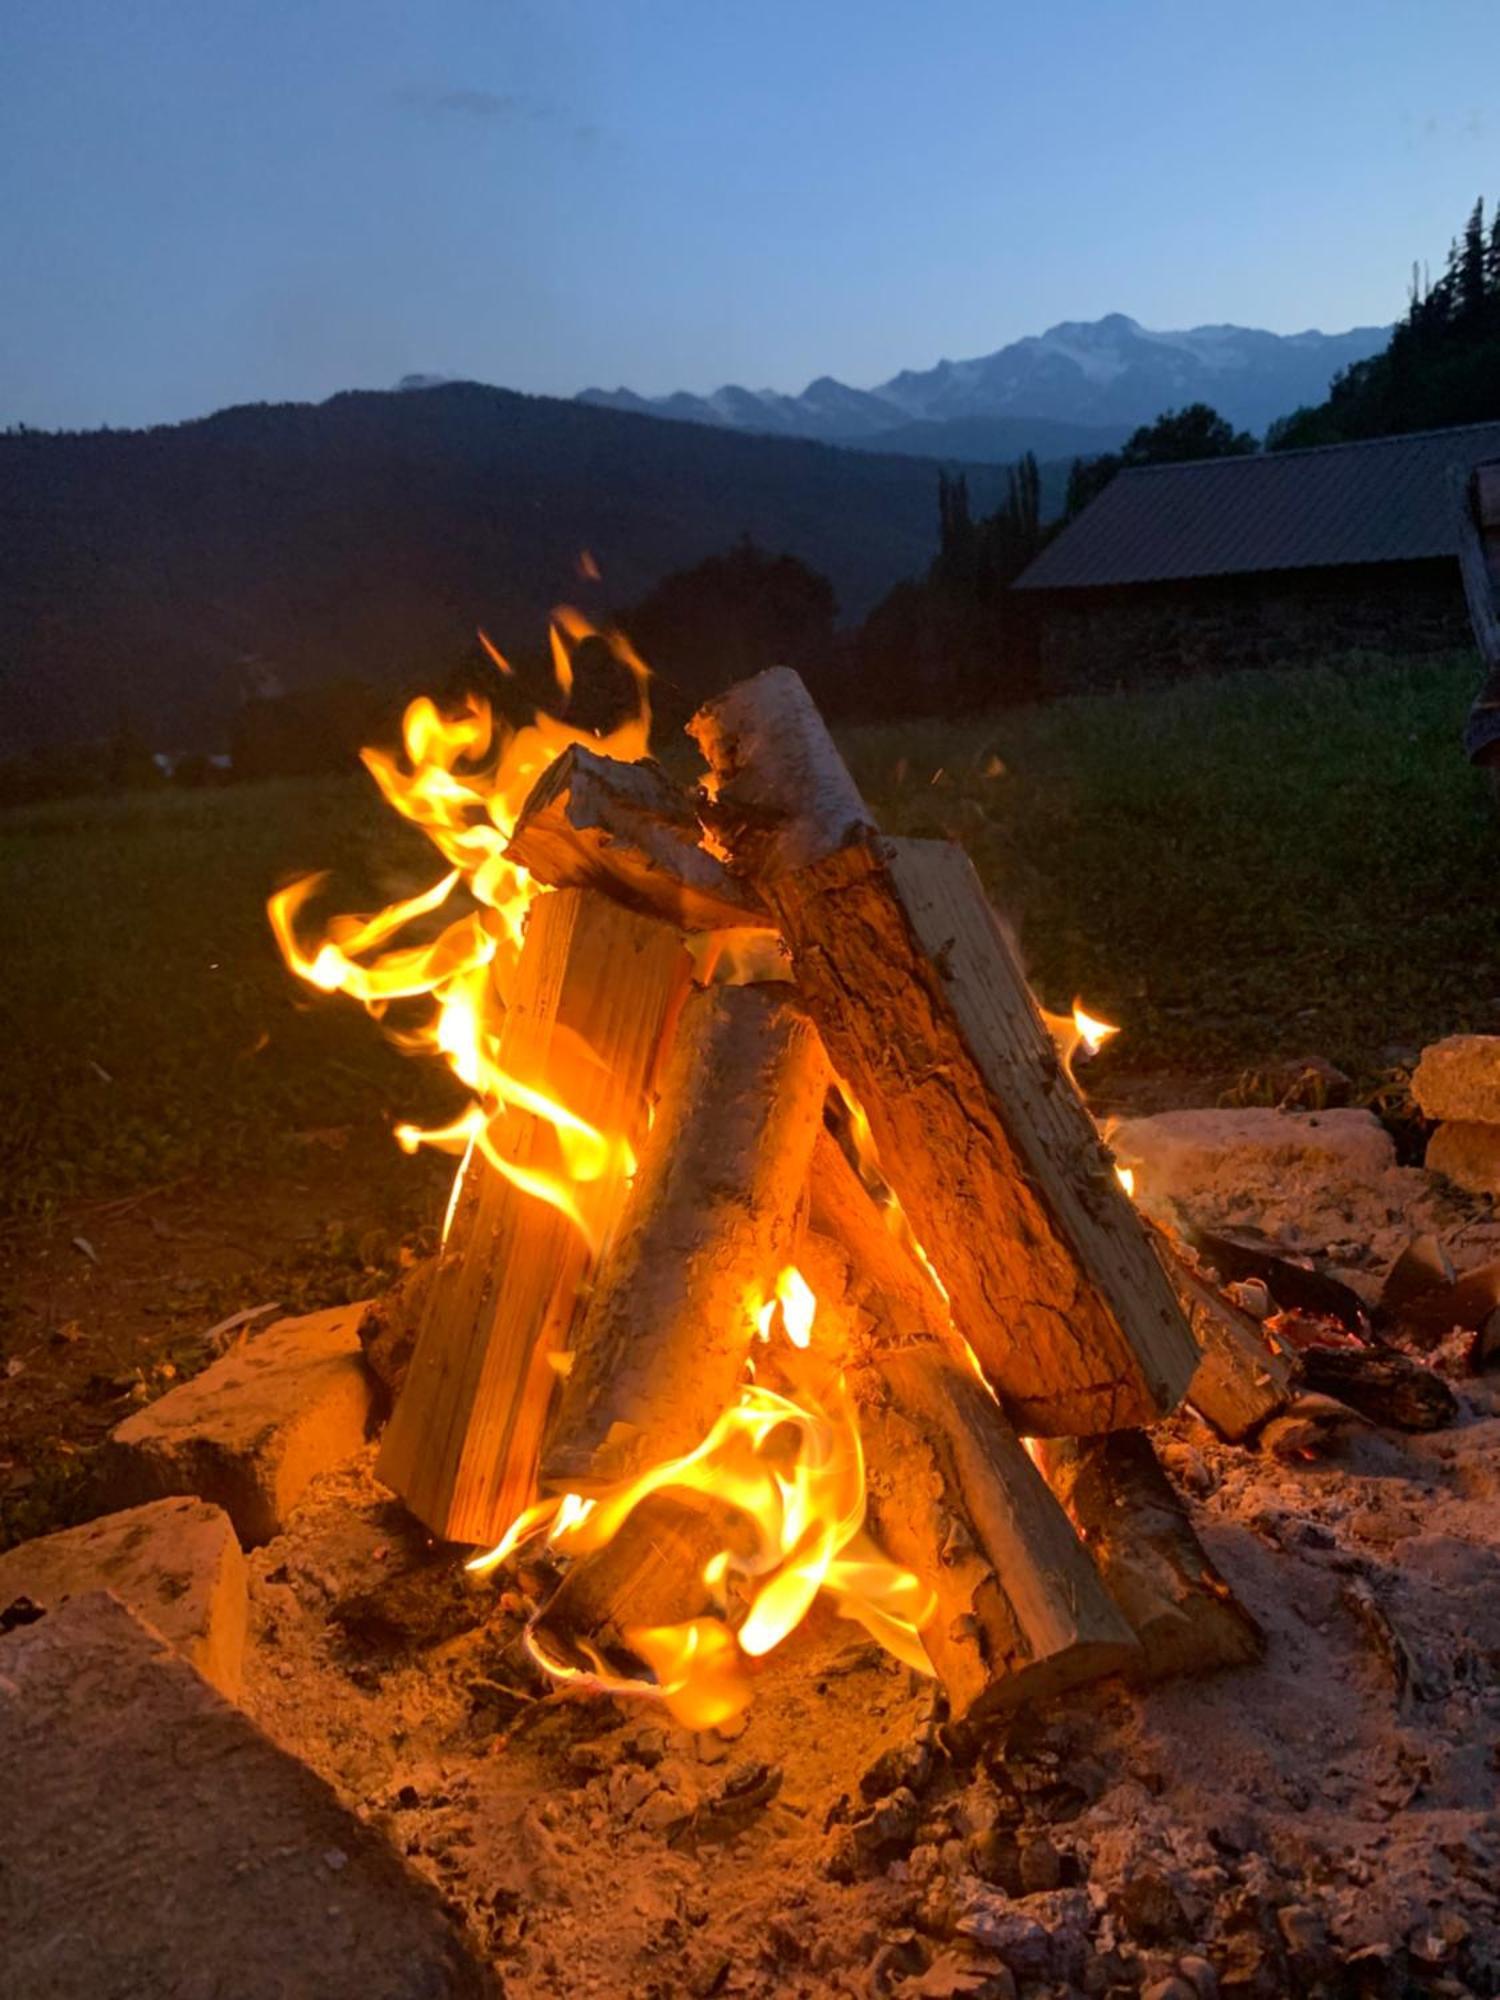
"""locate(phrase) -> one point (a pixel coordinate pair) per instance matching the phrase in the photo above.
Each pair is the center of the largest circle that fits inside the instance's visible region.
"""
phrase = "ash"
(1323, 1823)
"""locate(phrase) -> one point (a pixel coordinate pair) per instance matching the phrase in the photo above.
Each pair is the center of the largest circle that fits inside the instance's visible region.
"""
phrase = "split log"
(595, 989)
(1137, 1529)
(709, 1224)
(779, 796)
(594, 822)
(886, 1281)
(1020, 1612)
(1240, 1382)
(649, 1573)
(925, 1011)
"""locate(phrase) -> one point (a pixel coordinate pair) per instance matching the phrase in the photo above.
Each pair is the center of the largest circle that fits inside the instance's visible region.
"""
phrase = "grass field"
(1236, 869)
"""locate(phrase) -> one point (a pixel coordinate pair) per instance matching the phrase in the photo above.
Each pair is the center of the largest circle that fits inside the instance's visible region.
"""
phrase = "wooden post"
(1153, 1565)
(596, 822)
(595, 989)
(1020, 1613)
(709, 1223)
(926, 1015)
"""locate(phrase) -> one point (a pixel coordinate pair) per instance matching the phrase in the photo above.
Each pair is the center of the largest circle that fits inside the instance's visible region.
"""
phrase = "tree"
(1177, 435)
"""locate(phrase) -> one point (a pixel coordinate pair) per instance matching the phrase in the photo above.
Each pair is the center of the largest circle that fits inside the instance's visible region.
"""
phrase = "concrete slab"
(1181, 1154)
(1459, 1078)
(252, 1430)
(154, 1841)
(176, 1564)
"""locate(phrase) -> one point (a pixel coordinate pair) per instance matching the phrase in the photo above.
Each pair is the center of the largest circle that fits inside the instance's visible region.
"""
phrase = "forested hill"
(148, 576)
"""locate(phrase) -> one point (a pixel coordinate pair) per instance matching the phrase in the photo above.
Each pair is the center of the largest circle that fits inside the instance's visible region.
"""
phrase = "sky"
(205, 202)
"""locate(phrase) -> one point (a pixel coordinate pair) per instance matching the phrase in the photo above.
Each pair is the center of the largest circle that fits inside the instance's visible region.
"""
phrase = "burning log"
(1382, 1384)
(925, 1011)
(595, 988)
(1020, 1612)
(594, 822)
(649, 1574)
(708, 1226)
(1137, 1529)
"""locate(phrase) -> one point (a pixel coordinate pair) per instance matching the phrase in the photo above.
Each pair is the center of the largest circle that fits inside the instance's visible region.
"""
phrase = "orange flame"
(463, 780)
(791, 1466)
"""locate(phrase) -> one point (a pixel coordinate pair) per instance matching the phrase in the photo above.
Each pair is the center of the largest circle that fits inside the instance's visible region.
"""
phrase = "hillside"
(154, 573)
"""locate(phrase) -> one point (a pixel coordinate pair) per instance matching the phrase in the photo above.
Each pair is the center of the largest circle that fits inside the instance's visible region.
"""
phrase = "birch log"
(595, 822)
(926, 1015)
(710, 1221)
(594, 994)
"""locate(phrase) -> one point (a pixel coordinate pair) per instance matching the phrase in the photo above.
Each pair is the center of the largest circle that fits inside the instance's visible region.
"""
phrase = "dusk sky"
(219, 201)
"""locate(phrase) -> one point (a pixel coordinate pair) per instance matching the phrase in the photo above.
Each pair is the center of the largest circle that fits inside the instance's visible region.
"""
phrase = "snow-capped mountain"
(1109, 375)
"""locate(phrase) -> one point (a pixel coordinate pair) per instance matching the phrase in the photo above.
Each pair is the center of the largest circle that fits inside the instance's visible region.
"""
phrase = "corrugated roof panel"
(1386, 500)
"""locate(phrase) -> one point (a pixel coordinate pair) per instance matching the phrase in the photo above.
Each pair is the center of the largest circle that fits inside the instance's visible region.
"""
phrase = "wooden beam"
(710, 1221)
(953, 1496)
(1137, 1530)
(594, 822)
(594, 994)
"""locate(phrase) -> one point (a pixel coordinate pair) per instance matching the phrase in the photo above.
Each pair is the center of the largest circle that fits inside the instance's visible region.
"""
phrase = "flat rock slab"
(1179, 1154)
(176, 1564)
(154, 1841)
(1468, 1154)
(252, 1430)
(1460, 1078)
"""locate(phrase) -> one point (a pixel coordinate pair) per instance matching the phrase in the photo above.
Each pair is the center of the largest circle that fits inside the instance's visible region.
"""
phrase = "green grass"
(1234, 869)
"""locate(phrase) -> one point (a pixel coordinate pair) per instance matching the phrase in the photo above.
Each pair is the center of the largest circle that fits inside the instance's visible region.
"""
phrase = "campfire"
(783, 1256)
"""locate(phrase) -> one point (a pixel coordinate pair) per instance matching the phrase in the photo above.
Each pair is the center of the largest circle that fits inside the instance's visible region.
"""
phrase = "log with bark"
(953, 1496)
(1136, 1528)
(1240, 1382)
(595, 991)
(709, 1224)
(927, 1017)
(595, 822)
(650, 1573)
(1383, 1384)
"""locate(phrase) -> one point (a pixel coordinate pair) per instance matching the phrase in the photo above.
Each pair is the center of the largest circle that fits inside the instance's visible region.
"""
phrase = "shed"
(1274, 559)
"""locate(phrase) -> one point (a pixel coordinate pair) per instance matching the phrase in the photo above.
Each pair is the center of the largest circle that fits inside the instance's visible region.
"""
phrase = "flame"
(1092, 1033)
(1126, 1177)
(463, 779)
(790, 1468)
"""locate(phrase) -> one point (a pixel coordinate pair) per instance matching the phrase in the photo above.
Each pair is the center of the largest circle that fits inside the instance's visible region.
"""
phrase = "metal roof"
(1385, 500)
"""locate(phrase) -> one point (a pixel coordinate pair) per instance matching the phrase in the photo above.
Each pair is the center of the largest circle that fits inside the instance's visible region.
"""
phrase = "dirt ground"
(1325, 1822)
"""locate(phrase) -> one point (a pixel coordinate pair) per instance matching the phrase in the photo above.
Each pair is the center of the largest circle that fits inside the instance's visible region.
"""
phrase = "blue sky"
(214, 201)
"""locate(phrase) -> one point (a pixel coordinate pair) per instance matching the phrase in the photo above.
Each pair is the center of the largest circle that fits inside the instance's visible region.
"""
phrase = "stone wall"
(1130, 636)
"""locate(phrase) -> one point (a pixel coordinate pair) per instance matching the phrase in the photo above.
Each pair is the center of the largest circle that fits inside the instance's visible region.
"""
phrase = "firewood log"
(649, 1573)
(885, 1279)
(1021, 1613)
(1383, 1384)
(1240, 1382)
(1137, 1529)
(707, 1228)
(779, 795)
(926, 1014)
(594, 822)
(595, 990)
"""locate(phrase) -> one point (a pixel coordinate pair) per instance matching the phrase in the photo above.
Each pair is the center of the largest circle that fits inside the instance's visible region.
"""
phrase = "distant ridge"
(1102, 377)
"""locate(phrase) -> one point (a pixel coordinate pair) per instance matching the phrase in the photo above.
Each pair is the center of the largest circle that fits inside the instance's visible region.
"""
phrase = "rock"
(1023, 1943)
(154, 1841)
(1150, 1909)
(1467, 1154)
(890, 1825)
(1460, 1078)
(1177, 1155)
(175, 1563)
(955, 1975)
(250, 1432)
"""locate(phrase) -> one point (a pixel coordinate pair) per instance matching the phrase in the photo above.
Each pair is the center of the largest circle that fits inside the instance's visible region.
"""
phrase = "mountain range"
(1076, 389)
